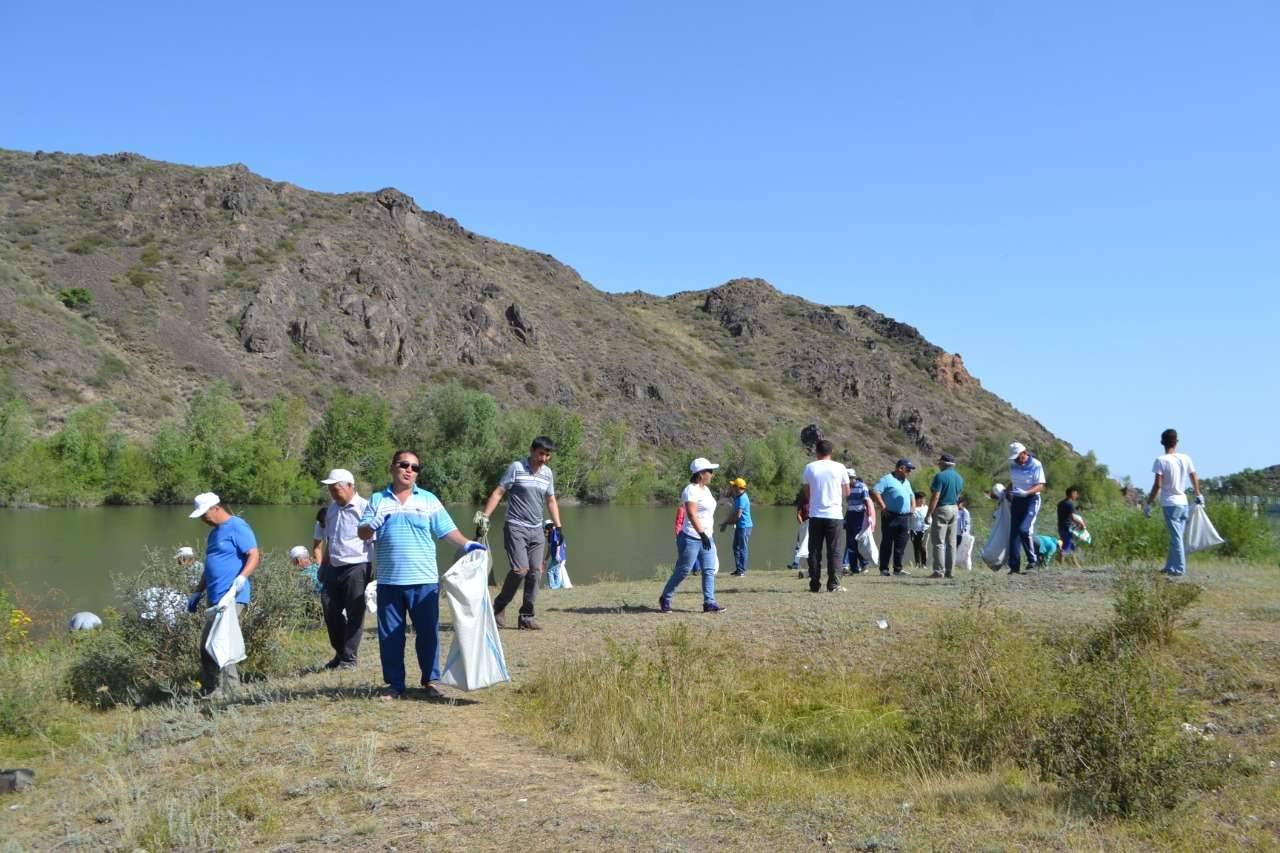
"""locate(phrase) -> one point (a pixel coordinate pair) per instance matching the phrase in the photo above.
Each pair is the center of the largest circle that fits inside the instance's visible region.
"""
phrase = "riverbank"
(311, 760)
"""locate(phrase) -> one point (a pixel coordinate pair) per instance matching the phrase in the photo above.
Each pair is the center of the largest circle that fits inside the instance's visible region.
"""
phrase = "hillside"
(194, 274)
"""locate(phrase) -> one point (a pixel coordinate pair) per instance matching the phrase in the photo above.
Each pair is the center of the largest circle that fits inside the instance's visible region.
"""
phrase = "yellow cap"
(739, 482)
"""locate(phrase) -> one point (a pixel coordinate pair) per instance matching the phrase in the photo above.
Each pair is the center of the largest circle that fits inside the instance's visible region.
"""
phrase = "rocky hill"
(138, 281)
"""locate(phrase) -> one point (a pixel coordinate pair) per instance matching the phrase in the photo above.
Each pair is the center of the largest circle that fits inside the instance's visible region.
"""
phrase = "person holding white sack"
(693, 543)
(1174, 474)
(230, 557)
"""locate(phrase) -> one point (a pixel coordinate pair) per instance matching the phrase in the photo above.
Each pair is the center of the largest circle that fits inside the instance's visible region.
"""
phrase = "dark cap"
(947, 459)
(905, 463)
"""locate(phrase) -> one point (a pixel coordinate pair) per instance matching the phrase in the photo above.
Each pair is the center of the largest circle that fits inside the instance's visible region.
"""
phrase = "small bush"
(1149, 610)
(87, 244)
(75, 297)
(1249, 536)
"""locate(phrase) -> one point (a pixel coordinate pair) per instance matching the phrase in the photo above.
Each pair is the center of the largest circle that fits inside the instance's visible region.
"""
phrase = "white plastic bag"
(371, 597)
(1200, 533)
(993, 553)
(226, 644)
(565, 583)
(964, 553)
(867, 547)
(802, 544)
(475, 658)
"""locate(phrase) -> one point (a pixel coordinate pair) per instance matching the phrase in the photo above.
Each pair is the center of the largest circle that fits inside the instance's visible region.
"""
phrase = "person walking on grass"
(230, 557)
(855, 518)
(942, 514)
(826, 485)
(1026, 482)
(1067, 524)
(741, 521)
(346, 567)
(897, 501)
(528, 484)
(407, 521)
(1174, 474)
(693, 543)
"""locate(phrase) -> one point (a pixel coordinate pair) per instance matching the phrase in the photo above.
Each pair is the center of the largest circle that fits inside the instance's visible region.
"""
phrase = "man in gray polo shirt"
(528, 484)
(345, 568)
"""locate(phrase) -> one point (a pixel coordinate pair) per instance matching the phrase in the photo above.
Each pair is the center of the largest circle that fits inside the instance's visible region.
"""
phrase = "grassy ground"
(314, 761)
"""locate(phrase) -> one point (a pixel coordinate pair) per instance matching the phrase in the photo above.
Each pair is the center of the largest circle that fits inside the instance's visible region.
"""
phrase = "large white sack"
(964, 553)
(226, 644)
(802, 543)
(993, 552)
(475, 658)
(1200, 533)
(371, 597)
(867, 547)
(565, 583)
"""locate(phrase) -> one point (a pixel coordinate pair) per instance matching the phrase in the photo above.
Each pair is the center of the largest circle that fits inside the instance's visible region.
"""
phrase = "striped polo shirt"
(407, 534)
(1023, 477)
(527, 492)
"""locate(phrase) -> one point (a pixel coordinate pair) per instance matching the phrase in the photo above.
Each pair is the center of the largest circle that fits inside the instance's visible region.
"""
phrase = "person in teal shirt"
(741, 521)
(943, 511)
(1047, 546)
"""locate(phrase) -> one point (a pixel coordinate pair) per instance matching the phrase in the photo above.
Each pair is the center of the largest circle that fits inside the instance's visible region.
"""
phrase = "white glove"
(1146, 510)
(1199, 500)
(238, 584)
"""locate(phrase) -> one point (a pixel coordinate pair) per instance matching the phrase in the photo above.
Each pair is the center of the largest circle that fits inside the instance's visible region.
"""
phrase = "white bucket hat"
(702, 463)
(204, 502)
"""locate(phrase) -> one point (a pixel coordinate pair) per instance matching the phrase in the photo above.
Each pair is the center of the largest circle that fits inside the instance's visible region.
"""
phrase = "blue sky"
(1083, 201)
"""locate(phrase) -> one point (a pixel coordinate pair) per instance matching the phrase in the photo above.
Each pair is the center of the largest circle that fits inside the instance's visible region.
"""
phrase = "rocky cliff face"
(199, 274)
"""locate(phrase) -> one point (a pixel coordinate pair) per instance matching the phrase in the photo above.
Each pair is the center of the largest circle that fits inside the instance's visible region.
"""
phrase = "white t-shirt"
(706, 504)
(917, 519)
(1175, 470)
(826, 479)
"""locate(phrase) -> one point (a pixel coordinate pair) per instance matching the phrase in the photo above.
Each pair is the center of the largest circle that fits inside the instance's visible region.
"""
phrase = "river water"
(62, 560)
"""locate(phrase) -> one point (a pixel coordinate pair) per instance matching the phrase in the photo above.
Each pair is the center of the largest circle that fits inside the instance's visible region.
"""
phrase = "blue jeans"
(421, 602)
(689, 552)
(741, 542)
(1175, 518)
(1022, 525)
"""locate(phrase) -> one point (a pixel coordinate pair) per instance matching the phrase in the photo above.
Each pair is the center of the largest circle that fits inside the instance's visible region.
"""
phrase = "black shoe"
(902, 572)
(737, 574)
(815, 589)
(1015, 571)
(431, 692)
(884, 574)
(527, 624)
(346, 664)
(499, 619)
(334, 664)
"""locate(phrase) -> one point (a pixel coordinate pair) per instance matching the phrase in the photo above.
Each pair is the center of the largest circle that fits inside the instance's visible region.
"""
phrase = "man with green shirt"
(946, 487)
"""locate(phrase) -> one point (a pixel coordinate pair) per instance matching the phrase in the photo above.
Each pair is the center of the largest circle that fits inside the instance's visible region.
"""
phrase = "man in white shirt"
(345, 567)
(1026, 482)
(826, 485)
(1174, 474)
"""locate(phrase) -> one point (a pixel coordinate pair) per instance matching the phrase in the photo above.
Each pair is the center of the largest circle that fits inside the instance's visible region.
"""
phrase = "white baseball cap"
(339, 475)
(298, 551)
(185, 551)
(1016, 448)
(852, 473)
(204, 502)
(702, 464)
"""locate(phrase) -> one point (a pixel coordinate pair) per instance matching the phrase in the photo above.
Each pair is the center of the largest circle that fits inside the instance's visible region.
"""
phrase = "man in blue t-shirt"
(740, 518)
(897, 501)
(230, 557)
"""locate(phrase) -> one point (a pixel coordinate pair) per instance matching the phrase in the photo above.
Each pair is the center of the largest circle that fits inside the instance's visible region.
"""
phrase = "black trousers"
(917, 545)
(825, 533)
(893, 540)
(342, 589)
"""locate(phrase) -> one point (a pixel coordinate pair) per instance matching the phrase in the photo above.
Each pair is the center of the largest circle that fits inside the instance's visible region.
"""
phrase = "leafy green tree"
(169, 458)
(354, 433)
(129, 478)
(454, 431)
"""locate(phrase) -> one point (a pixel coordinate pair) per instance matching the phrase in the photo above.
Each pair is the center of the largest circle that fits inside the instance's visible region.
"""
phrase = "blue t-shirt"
(897, 494)
(224, 554)
(743, 503)
(407, 535)
(858, 495)
(948, 484)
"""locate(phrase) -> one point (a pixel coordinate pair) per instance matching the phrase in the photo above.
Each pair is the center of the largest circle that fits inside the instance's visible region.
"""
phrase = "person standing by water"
(1026, 482)
(407, 520)
(346, 567)
(528, 484)
(693, 542)
(230, 557)
(826, 485)
(741, 521)
(896, 500)
(1174, 474)
(943, 510)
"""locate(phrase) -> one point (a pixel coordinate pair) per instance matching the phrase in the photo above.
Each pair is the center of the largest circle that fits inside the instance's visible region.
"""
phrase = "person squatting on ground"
(1174, 474)
(826, 485)
(528, 484)
(1026, 482)
(406, 520)
(300, 558)
(919, 529)
(230, 557)
(854, 520)
(741, 521)
(345, 567)
(693, 543)
(942, 514)
(1066, 525)
(896, 500)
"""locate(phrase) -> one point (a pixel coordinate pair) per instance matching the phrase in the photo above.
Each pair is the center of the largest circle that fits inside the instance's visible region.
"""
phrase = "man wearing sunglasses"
(407, 520)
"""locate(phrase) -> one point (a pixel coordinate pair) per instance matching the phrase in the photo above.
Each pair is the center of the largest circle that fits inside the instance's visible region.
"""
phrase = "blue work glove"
(193, 602)
(1199, 500)
(473, 546)
(706, 542)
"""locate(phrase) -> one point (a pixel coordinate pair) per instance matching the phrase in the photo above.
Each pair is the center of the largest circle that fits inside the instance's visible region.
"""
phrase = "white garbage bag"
(993, 553)
(475, 658)
(867, 547)
(565, 583)
(371, 597)
(964, 553)
(1200, 532)
(802, 544)
(226, 644)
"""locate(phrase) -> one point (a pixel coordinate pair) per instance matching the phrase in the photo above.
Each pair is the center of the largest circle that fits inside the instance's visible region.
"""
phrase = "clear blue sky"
(1082, 199)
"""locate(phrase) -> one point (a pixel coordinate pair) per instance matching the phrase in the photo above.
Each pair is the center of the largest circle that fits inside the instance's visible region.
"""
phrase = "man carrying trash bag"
(230, 557)
(1174, 474)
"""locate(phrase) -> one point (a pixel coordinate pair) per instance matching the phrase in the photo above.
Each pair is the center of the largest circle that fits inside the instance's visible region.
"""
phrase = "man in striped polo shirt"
(528, 484)
(406, 521)
(1026, 482)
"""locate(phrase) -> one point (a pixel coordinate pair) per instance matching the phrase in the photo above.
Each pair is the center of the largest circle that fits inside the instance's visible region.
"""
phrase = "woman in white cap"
(693, 542)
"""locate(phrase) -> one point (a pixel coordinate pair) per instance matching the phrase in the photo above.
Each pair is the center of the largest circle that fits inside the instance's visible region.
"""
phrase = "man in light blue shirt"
(406, 521)
(1026, 482)
(230, 556)
(897, 500)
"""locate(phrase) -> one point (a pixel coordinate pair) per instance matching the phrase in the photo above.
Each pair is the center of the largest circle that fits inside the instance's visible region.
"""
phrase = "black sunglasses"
(410, 465)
